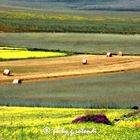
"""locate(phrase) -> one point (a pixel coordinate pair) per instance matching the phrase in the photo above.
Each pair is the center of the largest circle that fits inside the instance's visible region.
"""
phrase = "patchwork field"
(65, 81)
(30, 47)
(44, 16)
(31, 123)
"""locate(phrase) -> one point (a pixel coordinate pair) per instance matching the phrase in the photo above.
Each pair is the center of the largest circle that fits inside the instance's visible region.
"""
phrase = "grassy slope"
(85, 43)
(23, 123)
(110, 91)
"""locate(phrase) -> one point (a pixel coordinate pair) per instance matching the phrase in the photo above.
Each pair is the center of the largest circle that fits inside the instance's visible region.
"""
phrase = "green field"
(107, 91)
(70, 16)
(30, 123)
(74, 42)
(37, 21)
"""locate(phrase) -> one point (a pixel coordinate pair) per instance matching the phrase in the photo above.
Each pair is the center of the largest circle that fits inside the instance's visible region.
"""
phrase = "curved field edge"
(65, 67)
(107, 91)
(31, 122)
(74, 42)
(8, 53)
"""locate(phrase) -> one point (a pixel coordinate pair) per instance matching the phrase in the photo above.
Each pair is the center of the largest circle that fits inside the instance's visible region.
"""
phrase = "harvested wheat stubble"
(39, 69)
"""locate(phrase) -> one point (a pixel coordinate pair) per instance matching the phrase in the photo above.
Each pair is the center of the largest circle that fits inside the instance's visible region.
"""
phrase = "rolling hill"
(119, 5)
(86, 16)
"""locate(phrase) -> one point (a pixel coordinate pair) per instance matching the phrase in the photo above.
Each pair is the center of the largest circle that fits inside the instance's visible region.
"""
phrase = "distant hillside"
(117, 5)
(86, 16)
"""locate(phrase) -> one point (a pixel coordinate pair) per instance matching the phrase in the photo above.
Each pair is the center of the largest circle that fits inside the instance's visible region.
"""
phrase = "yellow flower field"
(17, 53)
(56, 124)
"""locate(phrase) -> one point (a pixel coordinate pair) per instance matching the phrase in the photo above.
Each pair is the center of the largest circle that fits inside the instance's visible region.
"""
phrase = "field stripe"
(64, 67)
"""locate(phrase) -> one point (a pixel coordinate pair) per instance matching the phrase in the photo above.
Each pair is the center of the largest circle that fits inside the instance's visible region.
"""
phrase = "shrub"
(99, 118)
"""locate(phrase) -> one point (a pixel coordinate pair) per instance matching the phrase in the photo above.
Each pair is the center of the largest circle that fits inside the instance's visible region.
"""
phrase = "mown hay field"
(74, 42)
(45, 68)
(105, 91)
(30, 123)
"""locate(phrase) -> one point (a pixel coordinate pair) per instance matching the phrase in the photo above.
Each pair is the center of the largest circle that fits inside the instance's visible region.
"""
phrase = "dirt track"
(71, 66)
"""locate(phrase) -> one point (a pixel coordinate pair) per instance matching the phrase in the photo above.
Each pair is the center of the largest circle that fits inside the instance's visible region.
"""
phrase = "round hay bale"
(17, 81)
(108, 54)
(6, 72)
(84, 61)
(120, 53)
